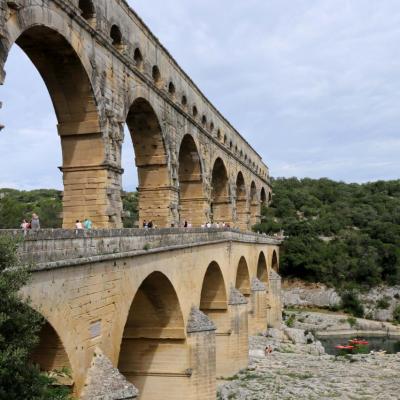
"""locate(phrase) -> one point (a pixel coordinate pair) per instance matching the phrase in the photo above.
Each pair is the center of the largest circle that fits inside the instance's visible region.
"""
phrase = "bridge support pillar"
(274, 301)
(202, 350)
(239, 339)
(258, 313)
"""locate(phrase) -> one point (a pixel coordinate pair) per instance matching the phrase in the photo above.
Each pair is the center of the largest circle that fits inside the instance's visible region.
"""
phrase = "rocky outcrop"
(379, 303)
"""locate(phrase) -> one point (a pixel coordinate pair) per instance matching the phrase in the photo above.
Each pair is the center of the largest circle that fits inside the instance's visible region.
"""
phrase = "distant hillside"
(339, 234)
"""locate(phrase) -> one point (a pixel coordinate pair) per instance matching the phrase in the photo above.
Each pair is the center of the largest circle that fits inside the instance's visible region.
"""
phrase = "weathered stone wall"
(117, 72)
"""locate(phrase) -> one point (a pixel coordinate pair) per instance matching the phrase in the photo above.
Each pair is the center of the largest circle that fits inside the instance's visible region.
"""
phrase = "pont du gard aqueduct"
(135, 313)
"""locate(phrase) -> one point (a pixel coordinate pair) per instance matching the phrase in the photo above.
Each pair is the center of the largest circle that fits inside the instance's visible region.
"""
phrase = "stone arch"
(214, 303)
(87, 8)
(138, 58)
(243, 278)
(116, 36)
(275, 262)
(191, 196)
(262, 269)
(152, 163)
(254, 205)
(263, 197)
(50, 355)
(221, 206)
(242, 215)
(153, 351)
(67, 80)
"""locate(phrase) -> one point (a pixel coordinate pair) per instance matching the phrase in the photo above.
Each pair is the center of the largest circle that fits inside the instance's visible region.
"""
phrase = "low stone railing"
(48, 246)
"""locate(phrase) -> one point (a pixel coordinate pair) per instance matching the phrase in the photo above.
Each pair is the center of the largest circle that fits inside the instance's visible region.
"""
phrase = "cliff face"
(379, 303)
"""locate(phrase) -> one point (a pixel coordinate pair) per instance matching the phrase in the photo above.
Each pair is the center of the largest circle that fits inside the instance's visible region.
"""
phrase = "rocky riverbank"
(298, 369)
(379, 303)
(329, 323)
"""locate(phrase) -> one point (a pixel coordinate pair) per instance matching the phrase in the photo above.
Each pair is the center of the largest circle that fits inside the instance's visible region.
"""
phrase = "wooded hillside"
(339, 234)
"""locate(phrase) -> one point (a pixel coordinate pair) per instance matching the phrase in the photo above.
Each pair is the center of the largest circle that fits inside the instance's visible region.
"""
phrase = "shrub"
(396, 314)
(290, 321)
(351, 304)
(352, 321)
(383, 303)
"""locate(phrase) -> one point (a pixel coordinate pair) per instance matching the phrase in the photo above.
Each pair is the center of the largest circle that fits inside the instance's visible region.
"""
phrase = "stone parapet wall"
(53, 245)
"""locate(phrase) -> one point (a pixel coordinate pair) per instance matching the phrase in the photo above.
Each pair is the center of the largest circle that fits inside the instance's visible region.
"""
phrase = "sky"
(313, 85)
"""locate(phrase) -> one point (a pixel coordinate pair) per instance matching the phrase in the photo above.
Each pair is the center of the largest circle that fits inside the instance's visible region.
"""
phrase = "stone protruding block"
(199, 322)
(236, 298)
(105, 382)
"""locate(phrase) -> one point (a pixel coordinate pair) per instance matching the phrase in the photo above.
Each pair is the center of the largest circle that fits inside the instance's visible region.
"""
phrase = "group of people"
(215, 225)
(86, 224)
(33, 224)
(148, 225)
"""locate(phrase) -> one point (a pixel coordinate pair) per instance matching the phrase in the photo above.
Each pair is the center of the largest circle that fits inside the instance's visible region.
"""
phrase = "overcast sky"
(313, 85)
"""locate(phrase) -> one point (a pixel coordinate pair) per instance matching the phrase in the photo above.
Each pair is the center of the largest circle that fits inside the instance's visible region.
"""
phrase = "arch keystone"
(104, 381)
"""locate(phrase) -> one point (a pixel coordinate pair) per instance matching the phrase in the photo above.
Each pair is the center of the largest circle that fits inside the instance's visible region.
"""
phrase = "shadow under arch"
(242, 216)
(154, 353)
(243, 278)
(221, 207)
(75, 105)
(275, 262)
(155, 194)
(191, 190)
(50, 355)
(214, 303)
(262, 269)
(254, 205)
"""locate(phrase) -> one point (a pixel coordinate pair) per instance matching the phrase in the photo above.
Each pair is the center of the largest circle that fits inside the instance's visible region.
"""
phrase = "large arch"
(51, 356)
(151, 162)
(214, 303)
(242, 216)
(262, 269)
(191, 196)
(254, 205)
(154, 353)
(75, 105)
(243, 278)
(275, 262)
(221, 207)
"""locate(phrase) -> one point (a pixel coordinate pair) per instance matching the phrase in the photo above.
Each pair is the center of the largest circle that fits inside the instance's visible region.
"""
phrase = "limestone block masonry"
(149, 314)
(104, 70)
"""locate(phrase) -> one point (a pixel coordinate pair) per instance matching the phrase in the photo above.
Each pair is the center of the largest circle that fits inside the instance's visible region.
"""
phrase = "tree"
(19, 328)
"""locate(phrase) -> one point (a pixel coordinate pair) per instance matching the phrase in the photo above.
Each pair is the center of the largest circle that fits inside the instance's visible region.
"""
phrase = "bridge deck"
(54, 248)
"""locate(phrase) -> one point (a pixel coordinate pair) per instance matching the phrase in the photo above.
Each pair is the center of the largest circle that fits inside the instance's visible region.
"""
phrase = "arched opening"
(87, 9)
(242, 215)
(116, 36)
(262, 270)
(269, 197)
(153, 354)
(194, 111)
(51, 357)
(137, 56)
(171, 89)
(191, 196)
(214, 304)
(275, 263)
(152, 164)
(156, 74)
(243, 278)
(254, 205)
(219, 135)
(221, 207)
(184, 101)
(75, 108)
(263, 202)
(204, 120)
(211, 127)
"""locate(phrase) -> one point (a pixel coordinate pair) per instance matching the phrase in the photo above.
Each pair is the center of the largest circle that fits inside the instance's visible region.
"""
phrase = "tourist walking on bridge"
(35, 223)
